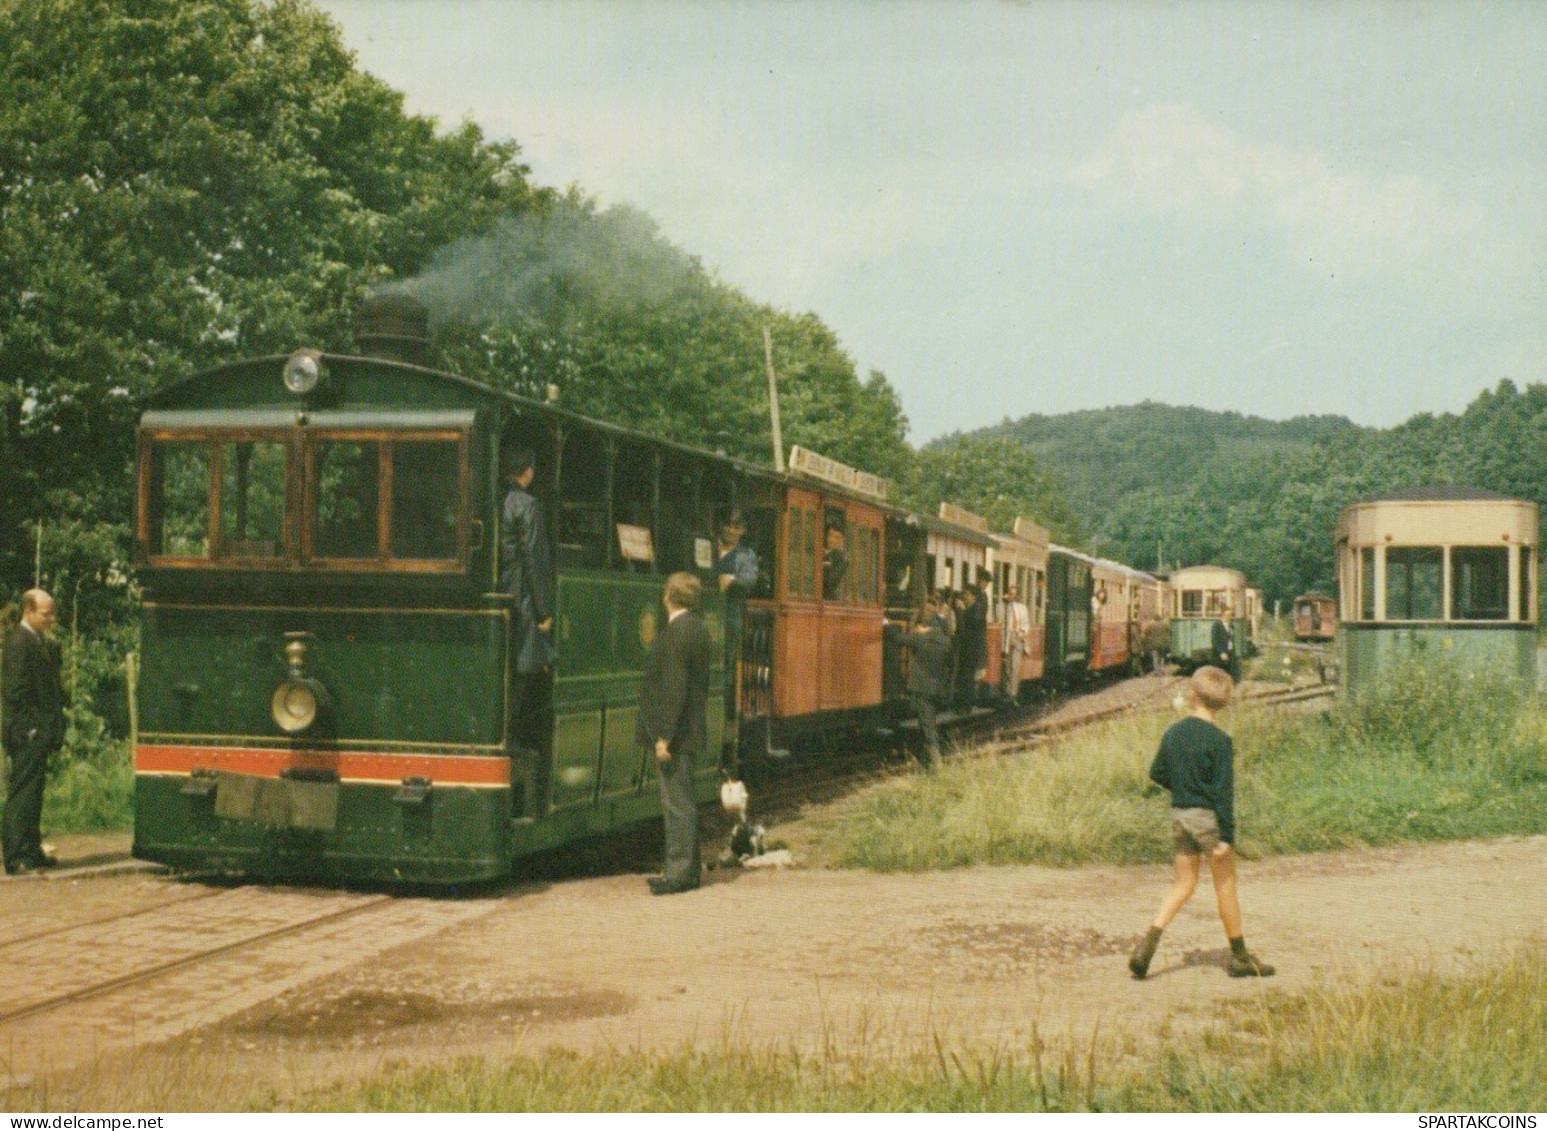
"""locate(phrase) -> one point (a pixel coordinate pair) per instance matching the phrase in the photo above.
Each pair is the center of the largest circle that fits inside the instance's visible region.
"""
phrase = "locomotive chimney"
(393, 327)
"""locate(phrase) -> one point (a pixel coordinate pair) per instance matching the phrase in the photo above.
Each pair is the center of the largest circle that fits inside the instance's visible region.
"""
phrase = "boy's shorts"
(1194, 831)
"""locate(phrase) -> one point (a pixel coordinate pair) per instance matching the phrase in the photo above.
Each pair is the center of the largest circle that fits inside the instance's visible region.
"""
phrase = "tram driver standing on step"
(526, 566)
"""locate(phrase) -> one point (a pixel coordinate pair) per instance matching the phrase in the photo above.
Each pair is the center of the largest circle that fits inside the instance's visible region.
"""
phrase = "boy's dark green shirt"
(1196, 763)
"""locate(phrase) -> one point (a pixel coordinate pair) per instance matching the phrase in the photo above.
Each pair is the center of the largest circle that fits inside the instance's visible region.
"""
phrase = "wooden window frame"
(383, 562)
(300, 498)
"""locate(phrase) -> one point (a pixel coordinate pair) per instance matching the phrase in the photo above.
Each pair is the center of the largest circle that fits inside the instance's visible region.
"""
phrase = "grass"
(1437, 756)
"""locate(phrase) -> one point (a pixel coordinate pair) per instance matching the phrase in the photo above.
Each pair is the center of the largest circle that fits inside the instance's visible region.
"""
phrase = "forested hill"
(1153, 483)
(1152, 446)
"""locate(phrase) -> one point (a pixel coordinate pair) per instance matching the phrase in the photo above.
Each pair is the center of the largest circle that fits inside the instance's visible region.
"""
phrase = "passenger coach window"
(346, 478)
(1414, 583)
(179, 499)
(252, 499)
(1367, 583)
(1479, 583)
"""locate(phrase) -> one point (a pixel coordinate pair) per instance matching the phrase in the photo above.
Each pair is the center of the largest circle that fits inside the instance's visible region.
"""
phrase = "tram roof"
(1440, 493)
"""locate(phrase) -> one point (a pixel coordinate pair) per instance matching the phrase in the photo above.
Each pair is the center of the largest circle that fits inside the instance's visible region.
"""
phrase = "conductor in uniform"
(527, 575)
(672, 724)
(34, 728)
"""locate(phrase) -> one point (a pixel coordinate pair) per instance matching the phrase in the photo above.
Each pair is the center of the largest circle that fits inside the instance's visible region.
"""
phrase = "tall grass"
(1435, 754)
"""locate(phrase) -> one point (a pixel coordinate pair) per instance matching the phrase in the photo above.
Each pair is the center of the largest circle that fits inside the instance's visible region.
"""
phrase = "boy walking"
(1196, 763)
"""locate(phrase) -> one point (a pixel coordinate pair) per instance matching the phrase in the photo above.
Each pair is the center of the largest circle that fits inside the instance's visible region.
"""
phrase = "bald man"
(34, 729)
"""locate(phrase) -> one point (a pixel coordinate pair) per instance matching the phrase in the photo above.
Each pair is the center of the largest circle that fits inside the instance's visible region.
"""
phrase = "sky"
(1272, 208)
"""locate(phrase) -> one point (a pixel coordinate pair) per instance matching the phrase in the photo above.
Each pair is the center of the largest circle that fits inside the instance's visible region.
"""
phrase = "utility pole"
(773, 400)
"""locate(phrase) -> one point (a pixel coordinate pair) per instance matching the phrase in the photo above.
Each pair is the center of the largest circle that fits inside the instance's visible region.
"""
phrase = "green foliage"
(185, 183)
(1182, 486)
(996, 478)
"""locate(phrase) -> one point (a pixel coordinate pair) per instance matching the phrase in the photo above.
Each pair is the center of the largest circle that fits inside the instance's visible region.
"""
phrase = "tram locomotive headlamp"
(304, 371)
(300, 700)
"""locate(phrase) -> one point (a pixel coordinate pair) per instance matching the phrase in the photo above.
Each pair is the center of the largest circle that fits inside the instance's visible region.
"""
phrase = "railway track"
(814, 781)
(88, 960)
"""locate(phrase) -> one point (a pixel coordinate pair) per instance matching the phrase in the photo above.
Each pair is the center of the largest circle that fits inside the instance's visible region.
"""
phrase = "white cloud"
(1171, 159)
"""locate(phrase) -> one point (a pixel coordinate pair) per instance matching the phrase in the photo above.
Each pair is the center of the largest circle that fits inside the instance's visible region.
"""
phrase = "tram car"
(1070, 592)
(1201, 595)
(1019, 562)
(1111, 609)
(1315, 617)
(1448, 572)
(326, 651)
(1149, 621)
(958, 548)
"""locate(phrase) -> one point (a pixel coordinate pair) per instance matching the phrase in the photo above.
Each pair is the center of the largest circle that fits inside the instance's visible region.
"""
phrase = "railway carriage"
(1112, 609)
(1018, 560)
(1315, 617)
(1445, 572)
(1200, 595)
(1068, 635)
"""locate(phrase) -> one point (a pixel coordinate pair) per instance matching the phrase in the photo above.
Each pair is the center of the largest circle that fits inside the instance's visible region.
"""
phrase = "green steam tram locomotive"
(326, 652)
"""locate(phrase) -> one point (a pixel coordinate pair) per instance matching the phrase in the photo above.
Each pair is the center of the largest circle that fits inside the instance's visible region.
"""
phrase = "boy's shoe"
(1248, 965)
(1143, 952)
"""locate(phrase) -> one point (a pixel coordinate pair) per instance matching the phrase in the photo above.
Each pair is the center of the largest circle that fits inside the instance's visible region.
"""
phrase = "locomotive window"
(426, 497)
(346, 479)
(1192, 602)
(252, 499)
(1479, 583)
(1414, 583)
(178, 501)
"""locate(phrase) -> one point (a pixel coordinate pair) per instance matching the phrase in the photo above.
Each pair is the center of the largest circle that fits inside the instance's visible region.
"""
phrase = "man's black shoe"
(44, 860)
(20, 868)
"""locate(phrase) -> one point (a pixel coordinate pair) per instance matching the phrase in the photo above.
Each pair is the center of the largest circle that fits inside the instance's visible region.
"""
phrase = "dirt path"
(861, 961)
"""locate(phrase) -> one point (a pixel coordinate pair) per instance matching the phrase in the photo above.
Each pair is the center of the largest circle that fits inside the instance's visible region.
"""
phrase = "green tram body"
(409, 774)
(344, 542)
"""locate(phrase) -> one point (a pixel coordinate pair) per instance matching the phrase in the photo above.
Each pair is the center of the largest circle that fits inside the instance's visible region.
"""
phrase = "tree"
(996, 478)
(183, 183)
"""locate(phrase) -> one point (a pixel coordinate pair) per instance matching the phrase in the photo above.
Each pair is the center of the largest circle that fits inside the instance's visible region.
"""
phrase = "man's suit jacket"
(34, 696)
(673, 698)
(931, 657)
(528, 576)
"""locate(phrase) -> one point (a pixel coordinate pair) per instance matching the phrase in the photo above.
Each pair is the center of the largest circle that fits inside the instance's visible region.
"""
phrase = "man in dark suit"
(34, 729)
(929, 657)
(1222, 640)
(970, 645)
(672, 724)
(526, 566)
